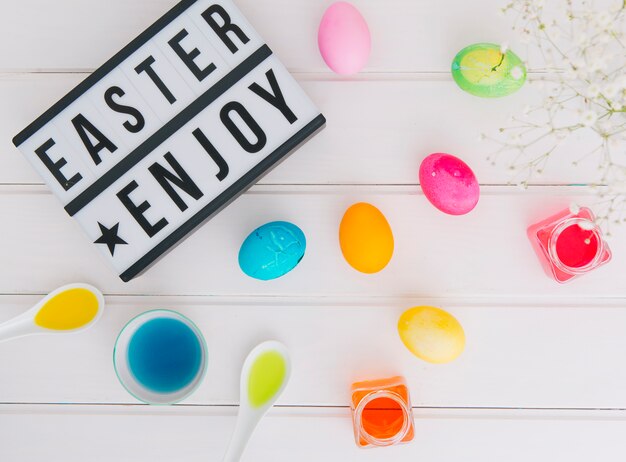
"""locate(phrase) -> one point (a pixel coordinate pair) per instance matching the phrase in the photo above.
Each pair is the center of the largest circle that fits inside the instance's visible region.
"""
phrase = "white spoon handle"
(246, 423)
(16, 328)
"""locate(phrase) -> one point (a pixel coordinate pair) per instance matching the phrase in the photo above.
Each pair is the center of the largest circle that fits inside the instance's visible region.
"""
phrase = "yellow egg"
(431, 334)
(365, 238)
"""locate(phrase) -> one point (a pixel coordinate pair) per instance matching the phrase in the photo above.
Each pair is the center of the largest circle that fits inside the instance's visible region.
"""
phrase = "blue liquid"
(164, 355)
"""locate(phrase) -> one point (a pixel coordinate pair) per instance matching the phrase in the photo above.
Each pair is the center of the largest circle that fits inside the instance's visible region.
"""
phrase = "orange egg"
(365, 238)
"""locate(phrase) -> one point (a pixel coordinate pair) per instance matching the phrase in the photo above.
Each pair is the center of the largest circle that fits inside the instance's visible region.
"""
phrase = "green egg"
(484, 70)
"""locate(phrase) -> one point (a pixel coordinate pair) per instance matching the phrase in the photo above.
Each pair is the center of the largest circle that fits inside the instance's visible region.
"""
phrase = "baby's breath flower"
(588, 118)
(515, 138)
(570, 74)
(582, 46)
(560, 134)
(582, 40)
(525, 37)
(593, 90)
(555, 33)
(587, 225)
(604, 20)
(574, 208)
(610, 90)
(598, 64)
(517, 73)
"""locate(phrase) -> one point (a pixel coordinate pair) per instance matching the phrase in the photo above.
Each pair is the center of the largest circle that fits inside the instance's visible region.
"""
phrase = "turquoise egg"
(272, 250)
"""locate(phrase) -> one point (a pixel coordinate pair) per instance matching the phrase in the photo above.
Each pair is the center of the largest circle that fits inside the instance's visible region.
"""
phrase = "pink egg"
(344, 38)
(449, 184)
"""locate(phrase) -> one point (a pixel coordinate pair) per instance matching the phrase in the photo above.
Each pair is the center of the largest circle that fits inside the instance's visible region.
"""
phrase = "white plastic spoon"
(264, 375)
(70, 308)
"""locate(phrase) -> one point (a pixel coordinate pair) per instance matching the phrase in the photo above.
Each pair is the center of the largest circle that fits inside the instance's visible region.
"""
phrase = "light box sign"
(170, 130)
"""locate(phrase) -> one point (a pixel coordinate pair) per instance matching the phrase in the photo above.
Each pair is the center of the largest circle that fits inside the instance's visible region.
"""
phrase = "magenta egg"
(449, 184)
(344, 38)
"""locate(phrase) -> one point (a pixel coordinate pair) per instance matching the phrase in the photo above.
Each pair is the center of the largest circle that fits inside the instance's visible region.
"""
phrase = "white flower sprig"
(582, 45)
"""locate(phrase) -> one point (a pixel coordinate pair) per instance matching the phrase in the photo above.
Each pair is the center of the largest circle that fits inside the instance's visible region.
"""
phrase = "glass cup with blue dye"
(160, 357)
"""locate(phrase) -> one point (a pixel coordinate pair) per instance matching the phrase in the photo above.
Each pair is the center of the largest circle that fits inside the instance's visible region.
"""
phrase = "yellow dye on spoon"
(266, 378)
(68, 310)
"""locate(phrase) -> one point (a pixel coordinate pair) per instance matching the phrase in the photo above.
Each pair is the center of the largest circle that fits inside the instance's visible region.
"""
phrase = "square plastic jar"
(381, 412)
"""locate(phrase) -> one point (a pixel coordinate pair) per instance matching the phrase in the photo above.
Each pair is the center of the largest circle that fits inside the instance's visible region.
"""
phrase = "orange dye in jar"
(381, 412)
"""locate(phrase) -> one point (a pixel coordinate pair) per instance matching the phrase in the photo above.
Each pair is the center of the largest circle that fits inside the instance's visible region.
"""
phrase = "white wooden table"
(543, 375)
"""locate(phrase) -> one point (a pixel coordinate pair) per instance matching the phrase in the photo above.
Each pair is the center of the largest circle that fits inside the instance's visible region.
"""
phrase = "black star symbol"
(110, 237)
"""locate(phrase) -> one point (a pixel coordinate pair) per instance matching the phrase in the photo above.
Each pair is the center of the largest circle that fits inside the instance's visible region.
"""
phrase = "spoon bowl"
(264, 376)
(68, 309)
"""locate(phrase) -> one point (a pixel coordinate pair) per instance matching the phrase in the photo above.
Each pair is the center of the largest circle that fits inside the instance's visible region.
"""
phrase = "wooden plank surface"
(555, 350)
(105, 433)
(541, 355)
(409, 35)
(403, 121)
(485, 253)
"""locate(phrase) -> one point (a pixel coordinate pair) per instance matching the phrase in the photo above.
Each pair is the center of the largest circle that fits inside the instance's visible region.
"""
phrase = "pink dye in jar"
(569, 244)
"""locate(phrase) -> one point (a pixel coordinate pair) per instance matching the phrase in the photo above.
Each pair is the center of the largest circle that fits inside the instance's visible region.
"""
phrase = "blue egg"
(272, 250)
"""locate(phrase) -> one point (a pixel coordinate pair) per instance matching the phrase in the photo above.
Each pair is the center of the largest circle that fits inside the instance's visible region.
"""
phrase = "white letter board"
(170, 130)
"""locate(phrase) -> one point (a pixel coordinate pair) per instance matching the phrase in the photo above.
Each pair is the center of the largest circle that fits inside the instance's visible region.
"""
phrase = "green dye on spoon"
(266, 378)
